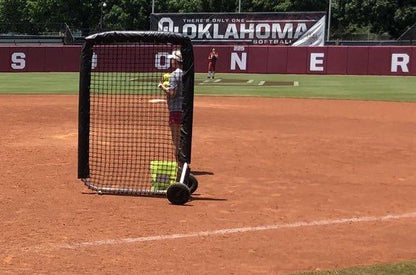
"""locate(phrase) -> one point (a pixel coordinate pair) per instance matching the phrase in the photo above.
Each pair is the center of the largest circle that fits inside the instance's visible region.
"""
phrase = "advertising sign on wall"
(305, 28)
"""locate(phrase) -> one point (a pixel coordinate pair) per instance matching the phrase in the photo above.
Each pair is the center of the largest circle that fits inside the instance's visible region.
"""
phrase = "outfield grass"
(310, 86)
(405, 268)
(322, 86)
(39, 83)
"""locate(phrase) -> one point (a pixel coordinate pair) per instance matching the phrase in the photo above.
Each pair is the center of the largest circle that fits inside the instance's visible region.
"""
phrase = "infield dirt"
(259, 161)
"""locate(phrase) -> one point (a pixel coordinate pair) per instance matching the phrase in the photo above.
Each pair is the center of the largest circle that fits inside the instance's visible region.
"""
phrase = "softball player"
(212, 61)
(174, 98)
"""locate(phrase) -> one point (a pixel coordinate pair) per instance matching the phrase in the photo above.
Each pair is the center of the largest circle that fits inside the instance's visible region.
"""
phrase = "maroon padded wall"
(383, 60)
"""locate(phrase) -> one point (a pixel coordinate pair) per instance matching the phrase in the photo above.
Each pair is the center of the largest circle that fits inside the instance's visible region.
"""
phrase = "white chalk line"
(157, 100)
(228, 231)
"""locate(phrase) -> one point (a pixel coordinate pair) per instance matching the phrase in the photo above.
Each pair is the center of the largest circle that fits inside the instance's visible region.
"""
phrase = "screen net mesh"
(131, 145)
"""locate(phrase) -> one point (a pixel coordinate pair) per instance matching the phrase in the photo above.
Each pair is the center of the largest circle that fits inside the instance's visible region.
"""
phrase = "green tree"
(14, 16)
(49, 14)
(33, 16)
(380, 16)
(284, 5)
(127, 14)
(218, 6)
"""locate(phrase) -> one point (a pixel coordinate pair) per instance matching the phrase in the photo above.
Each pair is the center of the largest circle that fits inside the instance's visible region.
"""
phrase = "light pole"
(153, 6)
(239, 6)
(329, 19)
(101, 24)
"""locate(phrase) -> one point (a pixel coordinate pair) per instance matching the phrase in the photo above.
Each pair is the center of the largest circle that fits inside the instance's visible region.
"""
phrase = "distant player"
(173, 92)
(212, 61)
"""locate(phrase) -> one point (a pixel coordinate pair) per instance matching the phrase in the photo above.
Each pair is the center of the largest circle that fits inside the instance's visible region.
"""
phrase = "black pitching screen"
(133, 138)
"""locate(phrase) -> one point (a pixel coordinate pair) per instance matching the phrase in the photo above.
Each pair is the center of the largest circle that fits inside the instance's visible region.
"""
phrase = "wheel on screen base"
(192, 183)
(178, 193)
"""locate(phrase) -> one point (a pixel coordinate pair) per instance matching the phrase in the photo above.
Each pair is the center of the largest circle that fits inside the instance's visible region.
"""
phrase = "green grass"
(404, 268)
(310, 86)
(38, 83)
(322, 86)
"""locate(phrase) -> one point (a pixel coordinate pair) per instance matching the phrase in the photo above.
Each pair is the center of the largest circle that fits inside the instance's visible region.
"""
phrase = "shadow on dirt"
(202, 173)
(198, 197)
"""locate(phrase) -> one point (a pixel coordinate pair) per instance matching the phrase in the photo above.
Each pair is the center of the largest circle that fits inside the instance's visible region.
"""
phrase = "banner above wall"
(298, 29)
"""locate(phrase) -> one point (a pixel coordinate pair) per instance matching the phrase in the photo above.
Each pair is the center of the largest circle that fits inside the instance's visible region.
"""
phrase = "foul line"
(229, 231)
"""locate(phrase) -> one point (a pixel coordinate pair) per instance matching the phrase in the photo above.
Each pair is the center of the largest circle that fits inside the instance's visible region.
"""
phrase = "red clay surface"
(259, 162)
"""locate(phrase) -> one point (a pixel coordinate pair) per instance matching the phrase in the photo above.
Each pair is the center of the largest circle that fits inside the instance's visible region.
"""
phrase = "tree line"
(391, 17)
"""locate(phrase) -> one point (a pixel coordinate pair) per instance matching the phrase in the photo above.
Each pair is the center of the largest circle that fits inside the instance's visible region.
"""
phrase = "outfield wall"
(40, 58)
(369, 60)
(313, 60)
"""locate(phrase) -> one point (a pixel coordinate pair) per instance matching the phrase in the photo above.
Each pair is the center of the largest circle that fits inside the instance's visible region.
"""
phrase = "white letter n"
(241, 62)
